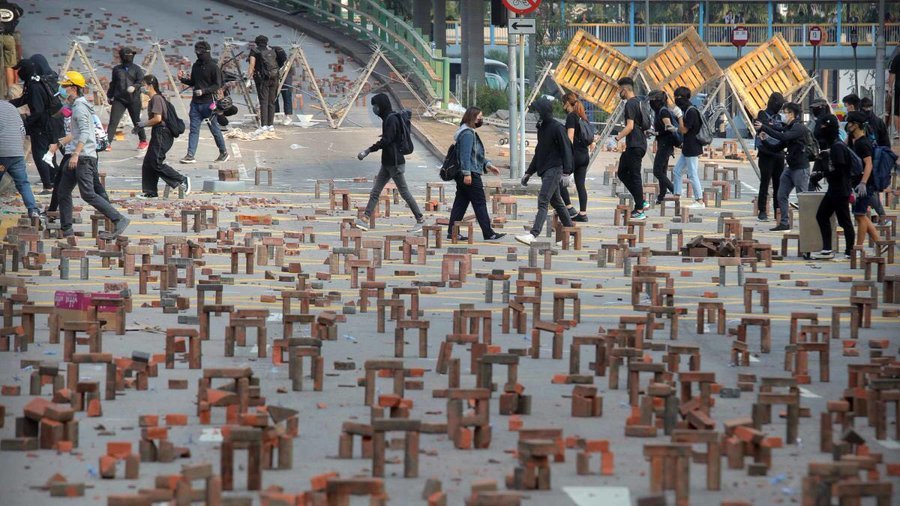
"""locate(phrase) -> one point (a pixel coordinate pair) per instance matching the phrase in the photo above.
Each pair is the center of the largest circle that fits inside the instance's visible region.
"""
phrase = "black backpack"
(586, 132)
(404, 143)
(172, 121)
(450, 167)
(50, 83)
(705, 134)
(810, 144)
(267, 64)
(647, 115)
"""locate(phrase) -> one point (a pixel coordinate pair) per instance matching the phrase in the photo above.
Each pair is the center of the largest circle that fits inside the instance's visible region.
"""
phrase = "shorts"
(8, 50)
(861, 206)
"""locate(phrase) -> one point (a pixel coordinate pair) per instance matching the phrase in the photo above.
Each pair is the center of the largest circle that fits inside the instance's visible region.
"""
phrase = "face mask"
(376, 109)
(479, 123)
(784, 117)
(848, 129)
(62, 92)
(622, 95)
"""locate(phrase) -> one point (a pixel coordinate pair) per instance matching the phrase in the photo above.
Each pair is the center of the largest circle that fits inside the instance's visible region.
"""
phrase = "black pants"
(40, 145)
(115, 115)
(664, 151)
(54, 198)
(770, 169)
(154, 167)
(579, 176)
(630, 174)
(287, 97)
(267, 91)
(839, 206)
(84, 176)
(471, 194)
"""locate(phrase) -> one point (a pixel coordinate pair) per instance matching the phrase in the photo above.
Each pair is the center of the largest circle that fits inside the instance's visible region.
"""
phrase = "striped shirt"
(12, 131)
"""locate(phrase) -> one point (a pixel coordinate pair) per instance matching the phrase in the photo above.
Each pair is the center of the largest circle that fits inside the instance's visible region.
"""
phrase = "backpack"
(705, 134)
(100, 134)
(646, 120)
(267, 66)
(586, 133)
(404, 143)
(856, 164)
(883, 163)
(50, 83)
(172, 121)
(810, 145)
(450, 167)
(676, 135)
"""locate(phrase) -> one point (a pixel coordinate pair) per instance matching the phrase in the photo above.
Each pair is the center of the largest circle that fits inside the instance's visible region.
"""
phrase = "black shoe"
(46, 191)
(572, 212)
(188, 159)
(660, 199)
(495, 237)
(223, 157)
(462, 238)
(781, 228)
(762, 217)
(121, 225)
(581, 218)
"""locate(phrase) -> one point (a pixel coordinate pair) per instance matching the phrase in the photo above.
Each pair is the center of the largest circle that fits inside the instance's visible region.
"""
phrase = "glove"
(197, 93)
(815, 177)
(525, 179)
(362, 154)
(248, 82)
(130, 89)
(611, 144)
(566, 180)
(676, 111)
(671, 128)
(48, 158)
(861, 190)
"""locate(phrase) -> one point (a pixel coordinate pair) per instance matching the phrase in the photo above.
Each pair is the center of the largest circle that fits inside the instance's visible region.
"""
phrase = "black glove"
(815, 177)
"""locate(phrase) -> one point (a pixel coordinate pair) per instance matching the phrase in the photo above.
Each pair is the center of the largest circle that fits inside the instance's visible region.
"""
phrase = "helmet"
(73, 78)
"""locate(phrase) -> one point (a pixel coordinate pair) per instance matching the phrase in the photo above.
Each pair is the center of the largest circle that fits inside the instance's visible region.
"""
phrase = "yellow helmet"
(73, 78)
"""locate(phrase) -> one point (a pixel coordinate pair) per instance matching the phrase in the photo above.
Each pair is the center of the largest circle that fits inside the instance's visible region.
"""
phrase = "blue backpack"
(883, 165)
(856, 164)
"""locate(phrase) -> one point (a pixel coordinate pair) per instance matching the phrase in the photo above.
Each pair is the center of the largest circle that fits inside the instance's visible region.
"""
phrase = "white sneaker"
(559, 244)
(822, 255)
(270, 128)
(698, 204)
(525, 239)
(287, 121)
(259, 131)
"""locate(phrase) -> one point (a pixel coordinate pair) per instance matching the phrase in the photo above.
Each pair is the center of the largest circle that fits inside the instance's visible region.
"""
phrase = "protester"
(124, 95)
(393, 164)
(10, 14)
(264, 69)
(797, 176)
(37, 123)
(67, 146)
(877, 125)
(893, 88)
(853, 103)
(155, 167)
(206, 79)
(575, 114)
(826, 132)
(771, 156)
(81, 169)
(835, 169)
(287, 89)
(552, 157)
(666, 141)
(469, 187)
(12, 154)
(55, 126)
(635, 147)
(863, 185)
(689, 123)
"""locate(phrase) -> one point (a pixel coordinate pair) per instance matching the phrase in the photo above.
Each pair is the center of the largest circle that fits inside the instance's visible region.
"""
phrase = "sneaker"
(460, 238)
(638, 216)
(121, 225)
(361, 224)
(143, 145)
(147, 196)
(847, 255)
(495, 237)
(34, 213)
(259, 131)
(417, 227)
(645, 206)
(270, 128)
(46, 191)
(781, 228)
(659, 200)
(188, 159)
(287, 120)
(572, 212)
(825, 254)
(525, 239)
(698, 204)
(762, 217)
(223, 157)
(559, 244)
(581, 218)
(186, 185)
(794, 206)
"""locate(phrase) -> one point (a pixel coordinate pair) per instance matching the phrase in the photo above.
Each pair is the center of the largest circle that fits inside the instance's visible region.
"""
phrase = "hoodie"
(769, 116)
(793, 136)
(470, 150)
(206, 77)
(553, 147)
(42, 67)
(34, 96)
(83, 130)
(390, 132)
(124, 75)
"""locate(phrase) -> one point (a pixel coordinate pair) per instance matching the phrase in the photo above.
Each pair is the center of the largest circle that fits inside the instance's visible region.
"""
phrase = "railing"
(618, 34)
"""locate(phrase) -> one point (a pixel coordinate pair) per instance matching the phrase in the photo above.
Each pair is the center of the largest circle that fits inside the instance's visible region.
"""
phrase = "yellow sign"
(591, 68)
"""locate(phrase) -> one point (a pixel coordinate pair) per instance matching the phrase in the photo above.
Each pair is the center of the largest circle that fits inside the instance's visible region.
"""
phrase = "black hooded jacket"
(793, 138)
(35, 97)
(553, 147)
(123, 76)
(390, 132)
(206, 77)
(769, 116)
(826, 130)
(56, 126)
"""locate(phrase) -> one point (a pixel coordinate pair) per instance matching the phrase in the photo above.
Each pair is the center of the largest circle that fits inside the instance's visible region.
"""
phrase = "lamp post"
(854, 41)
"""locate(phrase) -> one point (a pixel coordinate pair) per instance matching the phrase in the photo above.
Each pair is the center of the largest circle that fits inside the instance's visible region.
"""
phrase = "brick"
(94, 408)
(118, 449)
(318, 482)
(108, 467)
(64, 447)
(515, 423)
(597, 445)
(148, 420)
(10, 390)
(607, 464)
(176, 419)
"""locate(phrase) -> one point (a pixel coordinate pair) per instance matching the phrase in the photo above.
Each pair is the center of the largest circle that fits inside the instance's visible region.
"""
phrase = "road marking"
(807, 394)
(596, 496)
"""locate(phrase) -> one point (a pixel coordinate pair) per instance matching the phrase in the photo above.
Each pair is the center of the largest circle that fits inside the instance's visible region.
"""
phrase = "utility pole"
(879, 63)
(513, 105)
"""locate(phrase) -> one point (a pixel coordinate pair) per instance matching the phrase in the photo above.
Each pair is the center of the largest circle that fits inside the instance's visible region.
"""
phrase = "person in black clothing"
(552, 157)
(689, 123)
(635, 148)
(287, 90)
(206, 79)
(666, 141)
(37, 123)
(393, 164)
(797, 175)
(893, 91)
(771, 156)
(878, 126)
(57, 127)
(853, 103)
(264, 69)
(863, 185)
(124, 95)
(581, 152)
(825, 132)
(154, 167)
(835, 169)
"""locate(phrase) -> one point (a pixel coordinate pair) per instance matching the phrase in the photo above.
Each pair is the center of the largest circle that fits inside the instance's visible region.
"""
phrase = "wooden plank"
(770, 67)
(591, 68)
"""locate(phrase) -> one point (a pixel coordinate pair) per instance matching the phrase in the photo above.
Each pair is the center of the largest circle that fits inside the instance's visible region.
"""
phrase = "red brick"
(118, 449)
(174, 419)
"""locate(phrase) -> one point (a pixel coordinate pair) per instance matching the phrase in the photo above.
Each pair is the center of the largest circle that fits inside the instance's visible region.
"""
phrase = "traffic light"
(499, 14)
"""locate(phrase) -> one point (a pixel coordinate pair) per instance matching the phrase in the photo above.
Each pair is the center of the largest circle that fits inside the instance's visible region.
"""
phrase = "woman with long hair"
(581, 150)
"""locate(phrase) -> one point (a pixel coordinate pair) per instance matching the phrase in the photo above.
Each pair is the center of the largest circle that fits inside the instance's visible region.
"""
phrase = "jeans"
(840, 206)
(474, 194)
(267, 91)
(154, 166)
(15, 167)
(287, 96)
(550, 195)
(198, 113)
(395, 173)
(83, 176)
(770, 169)
(664, 151)
(578, 176)
(875, 201)
(54, 198)
(117, 109)
(790, 179)
(40, 145)
(691, 162)
(630, 174)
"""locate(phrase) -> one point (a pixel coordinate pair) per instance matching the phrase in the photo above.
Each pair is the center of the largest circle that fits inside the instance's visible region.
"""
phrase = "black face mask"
(376, 109)
(127, 59)
(479, 123)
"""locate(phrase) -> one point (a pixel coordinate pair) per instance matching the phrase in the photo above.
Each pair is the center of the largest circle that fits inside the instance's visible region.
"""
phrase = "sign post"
(518, 28)
(740, 35)
(854, 41)
(816, 37)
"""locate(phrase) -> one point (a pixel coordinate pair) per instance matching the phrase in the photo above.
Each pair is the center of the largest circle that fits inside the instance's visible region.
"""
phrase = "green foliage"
(491, 101)
(497, 54)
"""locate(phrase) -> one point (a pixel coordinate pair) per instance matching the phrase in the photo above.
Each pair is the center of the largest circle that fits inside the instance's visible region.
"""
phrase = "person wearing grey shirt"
(82, 167)
(12, 154)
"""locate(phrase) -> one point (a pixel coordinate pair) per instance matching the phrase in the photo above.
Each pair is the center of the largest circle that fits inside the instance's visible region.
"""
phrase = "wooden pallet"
(685, 61)
(769, 68)
(591, 68)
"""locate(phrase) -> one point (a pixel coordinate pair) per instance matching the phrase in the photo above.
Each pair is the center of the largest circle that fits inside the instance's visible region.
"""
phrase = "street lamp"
(854, 41)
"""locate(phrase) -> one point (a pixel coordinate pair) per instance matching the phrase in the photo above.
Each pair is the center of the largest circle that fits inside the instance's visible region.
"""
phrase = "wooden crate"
(591, 68)
(685, 61)
(770, 67)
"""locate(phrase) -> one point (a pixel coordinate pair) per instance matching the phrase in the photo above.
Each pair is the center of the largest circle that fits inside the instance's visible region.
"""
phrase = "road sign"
(816, 35)
(522, 26)
(522, 6)
(740, 35)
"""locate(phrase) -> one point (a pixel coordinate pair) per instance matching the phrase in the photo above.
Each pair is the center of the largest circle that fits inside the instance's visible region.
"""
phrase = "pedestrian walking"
(12, 155)
(124, 94)
(81, 169)
(206, 79)
(835, 168)
(472, 164)
(635, 148)
(771, 156)
(37, 123)
(576, 121)
(689, 124)
(155, 167)
(393, 164)
(67, 146)
(863, 184)
(287, 89)
(264, 70)
(795, 138)
(876, 132)
(667, 139)
(552, 157)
